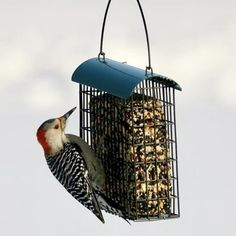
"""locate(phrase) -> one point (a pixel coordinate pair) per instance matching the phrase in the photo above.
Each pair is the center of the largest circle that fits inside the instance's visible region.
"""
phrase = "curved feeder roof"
(114, 77)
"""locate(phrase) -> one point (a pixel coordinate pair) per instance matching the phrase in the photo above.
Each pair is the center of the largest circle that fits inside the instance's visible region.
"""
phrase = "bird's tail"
(97, 209)
(109, 206)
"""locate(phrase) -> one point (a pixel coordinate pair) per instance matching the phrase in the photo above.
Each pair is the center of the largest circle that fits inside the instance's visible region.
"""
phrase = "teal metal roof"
(114, 77)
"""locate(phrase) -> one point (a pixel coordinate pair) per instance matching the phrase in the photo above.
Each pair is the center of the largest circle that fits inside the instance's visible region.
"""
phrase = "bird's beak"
(65, 116)
(68, 113)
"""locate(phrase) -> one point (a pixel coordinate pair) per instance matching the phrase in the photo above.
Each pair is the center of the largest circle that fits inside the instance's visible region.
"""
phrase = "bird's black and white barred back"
(69, 167)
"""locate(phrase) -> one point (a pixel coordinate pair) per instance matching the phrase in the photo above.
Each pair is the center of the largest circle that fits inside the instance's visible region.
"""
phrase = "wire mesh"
(136, 142)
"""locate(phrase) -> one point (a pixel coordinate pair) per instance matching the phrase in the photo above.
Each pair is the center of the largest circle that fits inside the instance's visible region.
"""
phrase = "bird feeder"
(127, 115)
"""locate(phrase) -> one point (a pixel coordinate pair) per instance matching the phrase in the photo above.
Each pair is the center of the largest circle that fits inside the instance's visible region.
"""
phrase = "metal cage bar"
(136, 140)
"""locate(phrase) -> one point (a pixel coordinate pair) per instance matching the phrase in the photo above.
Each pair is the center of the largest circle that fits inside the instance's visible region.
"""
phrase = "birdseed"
(130, 137)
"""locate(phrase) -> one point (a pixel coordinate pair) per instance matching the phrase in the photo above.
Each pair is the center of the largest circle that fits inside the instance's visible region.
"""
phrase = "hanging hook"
(149, 67)
(101, 53)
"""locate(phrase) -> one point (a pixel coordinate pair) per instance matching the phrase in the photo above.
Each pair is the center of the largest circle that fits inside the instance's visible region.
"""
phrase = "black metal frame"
(106, 130)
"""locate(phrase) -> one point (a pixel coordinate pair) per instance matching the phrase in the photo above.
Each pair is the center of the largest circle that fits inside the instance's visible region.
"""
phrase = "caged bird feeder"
(128, 117)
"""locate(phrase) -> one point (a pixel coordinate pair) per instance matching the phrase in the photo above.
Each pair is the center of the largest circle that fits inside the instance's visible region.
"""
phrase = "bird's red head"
(42, 140)
(51, 134)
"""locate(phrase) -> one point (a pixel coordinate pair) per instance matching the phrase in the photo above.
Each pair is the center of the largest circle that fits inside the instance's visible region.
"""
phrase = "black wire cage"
(128, 117)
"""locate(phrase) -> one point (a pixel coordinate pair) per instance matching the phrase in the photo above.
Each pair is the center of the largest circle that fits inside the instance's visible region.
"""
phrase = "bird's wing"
(80, 185)
(94, 165)
(70, 169)
(83, 192)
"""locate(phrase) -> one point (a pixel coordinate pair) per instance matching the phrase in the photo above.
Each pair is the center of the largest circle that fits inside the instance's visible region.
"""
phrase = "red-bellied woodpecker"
(75, 165)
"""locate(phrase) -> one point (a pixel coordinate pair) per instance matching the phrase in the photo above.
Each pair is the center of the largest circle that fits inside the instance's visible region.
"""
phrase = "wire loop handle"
(102, 54)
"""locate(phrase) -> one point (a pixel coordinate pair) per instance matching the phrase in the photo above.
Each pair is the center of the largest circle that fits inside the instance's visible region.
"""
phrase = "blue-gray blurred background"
(42, 43)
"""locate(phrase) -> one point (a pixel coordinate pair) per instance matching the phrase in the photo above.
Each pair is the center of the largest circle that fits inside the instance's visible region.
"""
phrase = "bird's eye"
(56, 126)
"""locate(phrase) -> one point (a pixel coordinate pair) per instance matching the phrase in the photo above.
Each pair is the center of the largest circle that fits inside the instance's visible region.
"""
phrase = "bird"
(72, 162)
(76, 166)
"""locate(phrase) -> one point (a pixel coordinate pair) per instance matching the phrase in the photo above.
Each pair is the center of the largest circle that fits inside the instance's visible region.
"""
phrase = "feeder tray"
(127, 115)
